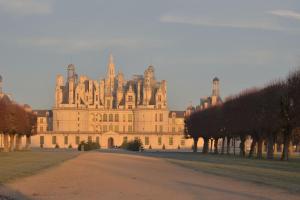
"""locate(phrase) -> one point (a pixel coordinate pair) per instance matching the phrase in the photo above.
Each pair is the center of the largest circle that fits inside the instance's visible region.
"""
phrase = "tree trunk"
(18, 142)
(195, 147)
(270, 146)
(286, 144)
(275, 148)
(205, 145)
(228, 145)
(216, 140)
(242, 146)
(28, 138)
(260, 148)
(11, 142)
(223, 146)
(211, 145)
(234, 146)
(6, 143)
(253, 147)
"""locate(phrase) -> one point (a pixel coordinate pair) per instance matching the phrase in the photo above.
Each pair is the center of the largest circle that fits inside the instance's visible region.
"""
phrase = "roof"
(216, 79)
(179, 114)
(43, 113)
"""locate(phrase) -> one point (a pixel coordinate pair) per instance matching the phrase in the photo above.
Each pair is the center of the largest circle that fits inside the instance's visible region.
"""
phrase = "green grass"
(285, 175)
(14, 165)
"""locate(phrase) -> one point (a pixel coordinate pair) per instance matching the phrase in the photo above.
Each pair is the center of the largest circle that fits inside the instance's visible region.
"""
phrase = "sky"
(189, 42)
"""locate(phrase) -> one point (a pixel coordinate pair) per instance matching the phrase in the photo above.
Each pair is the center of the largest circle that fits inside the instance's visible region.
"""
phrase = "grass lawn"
(24, 163)
(285, 175)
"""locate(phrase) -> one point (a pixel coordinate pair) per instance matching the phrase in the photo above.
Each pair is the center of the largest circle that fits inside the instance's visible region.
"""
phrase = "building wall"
(169, 141)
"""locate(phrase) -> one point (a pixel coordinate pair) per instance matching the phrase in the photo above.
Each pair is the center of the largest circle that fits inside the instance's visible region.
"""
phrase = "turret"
(216, 87)
(59, 90)
(71, 71)
(110, 78)
(215, 91)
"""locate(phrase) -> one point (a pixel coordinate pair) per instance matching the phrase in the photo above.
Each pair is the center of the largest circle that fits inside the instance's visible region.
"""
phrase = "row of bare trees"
(15, 122)
(270, 116)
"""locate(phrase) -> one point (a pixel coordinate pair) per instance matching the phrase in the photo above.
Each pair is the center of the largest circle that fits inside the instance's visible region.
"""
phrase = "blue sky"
(245, 43)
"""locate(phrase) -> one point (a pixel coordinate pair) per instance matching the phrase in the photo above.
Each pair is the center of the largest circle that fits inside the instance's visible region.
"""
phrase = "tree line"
(15, 122)
(269, 115)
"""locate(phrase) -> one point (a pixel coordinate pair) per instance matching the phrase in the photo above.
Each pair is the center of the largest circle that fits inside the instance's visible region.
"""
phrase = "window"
(105, 117)
(146, 140)
(105, 128)
(124, 118)
(90, 139)
(129, 107)
(108, 104)
(159, 98)
(110, 127)
(161, 117)
(159, 140)
(129, 117)
(42, 140)
(173, 130)
(156, 128)
(77, 140)
(66, 140)
(182, 142)
(130, 99)
(41, 129)
(116, 128)
(125, 139)
(156, 117)
(111, 117)
(100, 118)
(97, 140)
(171, 141)
(53, 139)
(96, 97)
(124, 129)
(160, 128)
(129, 128)
(41, 120)
(117, 117)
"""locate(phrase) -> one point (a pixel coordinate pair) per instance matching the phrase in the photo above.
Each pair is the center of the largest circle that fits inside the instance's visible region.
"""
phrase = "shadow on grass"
(275, 173)
(7, 193)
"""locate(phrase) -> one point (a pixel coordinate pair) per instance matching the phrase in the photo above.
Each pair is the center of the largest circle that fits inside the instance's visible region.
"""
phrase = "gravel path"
(97, 175)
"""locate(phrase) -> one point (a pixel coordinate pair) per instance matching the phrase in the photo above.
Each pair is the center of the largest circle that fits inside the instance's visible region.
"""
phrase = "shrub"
(88, 146)
(56, 146)
(163, 147)
(150, 147)
(135, 145)
(178, 147)
(70, 146)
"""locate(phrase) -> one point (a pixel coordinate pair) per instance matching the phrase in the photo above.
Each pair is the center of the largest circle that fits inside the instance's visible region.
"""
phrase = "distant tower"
(71, 71)
(1, 79)
(110, 79)
(216, 87)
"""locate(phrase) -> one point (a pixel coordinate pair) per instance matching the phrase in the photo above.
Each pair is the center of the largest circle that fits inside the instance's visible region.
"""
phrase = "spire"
(111, 67)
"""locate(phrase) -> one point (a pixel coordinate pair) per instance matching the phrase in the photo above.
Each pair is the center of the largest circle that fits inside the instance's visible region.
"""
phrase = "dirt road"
(119, 176)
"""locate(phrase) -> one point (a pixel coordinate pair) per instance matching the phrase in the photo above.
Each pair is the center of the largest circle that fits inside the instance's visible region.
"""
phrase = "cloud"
(285, 13)
(75, 44)
(204, 21)
(26, 7)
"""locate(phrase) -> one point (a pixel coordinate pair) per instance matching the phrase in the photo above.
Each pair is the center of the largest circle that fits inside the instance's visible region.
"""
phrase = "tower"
(1, 79)
(110, 78)
(71, 71)
(71, 82)
(216, 87)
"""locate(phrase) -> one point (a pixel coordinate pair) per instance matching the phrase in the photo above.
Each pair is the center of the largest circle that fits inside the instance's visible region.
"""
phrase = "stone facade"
(111, 111)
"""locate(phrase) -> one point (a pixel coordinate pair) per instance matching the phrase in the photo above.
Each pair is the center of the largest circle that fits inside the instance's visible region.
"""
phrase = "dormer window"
(130, 99)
